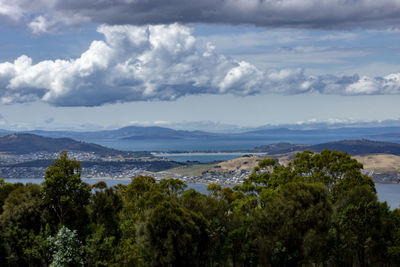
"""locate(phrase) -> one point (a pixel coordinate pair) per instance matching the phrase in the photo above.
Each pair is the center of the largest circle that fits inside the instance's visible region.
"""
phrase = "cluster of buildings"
(96, 171)
(6, 159)
(34, 165)
(113, 172)
(383, 178)
(207, 177)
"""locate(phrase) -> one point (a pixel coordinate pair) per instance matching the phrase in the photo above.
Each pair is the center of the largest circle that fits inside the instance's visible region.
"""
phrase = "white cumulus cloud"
(163, 62)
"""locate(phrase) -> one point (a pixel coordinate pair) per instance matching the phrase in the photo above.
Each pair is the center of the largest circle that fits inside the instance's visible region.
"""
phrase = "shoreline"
(222, 153)
(129, 178)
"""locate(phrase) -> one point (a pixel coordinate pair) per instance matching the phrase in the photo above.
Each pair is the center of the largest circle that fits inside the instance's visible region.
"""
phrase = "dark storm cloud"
(291, 13)
(323, 14)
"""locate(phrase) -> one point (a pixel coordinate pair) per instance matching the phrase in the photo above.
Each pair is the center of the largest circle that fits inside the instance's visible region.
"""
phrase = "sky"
(209, 65)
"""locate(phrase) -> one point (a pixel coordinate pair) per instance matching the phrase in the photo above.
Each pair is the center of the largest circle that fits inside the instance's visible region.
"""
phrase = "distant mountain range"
(352, 147)
(274, 134)
(29, 143)
(126, 133)
(139, 138)
(344, 131)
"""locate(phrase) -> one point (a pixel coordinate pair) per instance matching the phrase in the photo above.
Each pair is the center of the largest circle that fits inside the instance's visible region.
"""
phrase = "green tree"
(172, 187)
(5, 190)
(172, 236)
(100, 247)
(64, 192)
(22, 227)
(351, 180)
(361, 229)
(225, 245)
(104, 209)
(291, 230)
(24, 206)
(327, 167)
(394, 242)
(99, 185)
(140, 196)
(24, 247)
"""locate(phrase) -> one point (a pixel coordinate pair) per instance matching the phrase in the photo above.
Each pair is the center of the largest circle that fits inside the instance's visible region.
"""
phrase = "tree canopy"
(318, 210)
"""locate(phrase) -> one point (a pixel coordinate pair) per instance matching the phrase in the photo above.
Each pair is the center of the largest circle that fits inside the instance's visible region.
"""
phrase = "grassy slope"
(382, 163)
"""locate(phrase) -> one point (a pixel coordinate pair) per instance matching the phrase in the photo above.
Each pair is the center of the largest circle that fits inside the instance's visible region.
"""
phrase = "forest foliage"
(319, 210)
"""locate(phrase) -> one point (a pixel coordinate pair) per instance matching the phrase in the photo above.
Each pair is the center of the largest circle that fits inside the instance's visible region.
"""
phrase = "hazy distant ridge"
(390, 133)
(130, 132)
(29, 143)
(352, 147)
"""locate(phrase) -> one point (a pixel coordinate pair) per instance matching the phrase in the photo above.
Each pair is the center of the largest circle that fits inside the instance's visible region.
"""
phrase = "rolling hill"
(29, 143)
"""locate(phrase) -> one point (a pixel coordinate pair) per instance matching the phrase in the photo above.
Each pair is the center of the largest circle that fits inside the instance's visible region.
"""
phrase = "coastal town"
(234, 171)
(34, 165)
